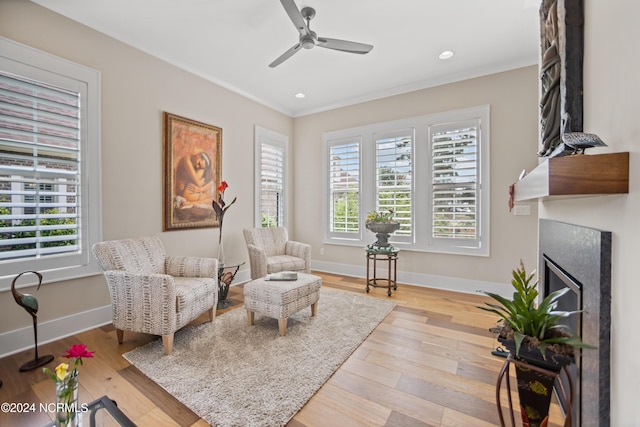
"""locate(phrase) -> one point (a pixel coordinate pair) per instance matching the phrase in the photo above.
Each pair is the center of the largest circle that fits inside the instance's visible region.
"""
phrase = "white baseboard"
(448, 283)
(22, 339)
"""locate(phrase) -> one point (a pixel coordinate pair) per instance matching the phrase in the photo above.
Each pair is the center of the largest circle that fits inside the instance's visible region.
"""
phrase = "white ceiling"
(232, 42)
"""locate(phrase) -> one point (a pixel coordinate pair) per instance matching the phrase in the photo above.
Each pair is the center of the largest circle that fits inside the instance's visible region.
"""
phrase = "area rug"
(231, 374)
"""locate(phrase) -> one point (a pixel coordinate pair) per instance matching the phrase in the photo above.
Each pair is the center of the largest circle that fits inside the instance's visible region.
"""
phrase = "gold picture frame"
(192, 159)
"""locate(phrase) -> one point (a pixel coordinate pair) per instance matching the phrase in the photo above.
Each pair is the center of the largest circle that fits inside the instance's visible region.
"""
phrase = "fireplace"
(580, 258)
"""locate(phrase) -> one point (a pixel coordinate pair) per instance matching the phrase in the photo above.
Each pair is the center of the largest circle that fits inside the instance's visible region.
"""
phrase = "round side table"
(382, 254)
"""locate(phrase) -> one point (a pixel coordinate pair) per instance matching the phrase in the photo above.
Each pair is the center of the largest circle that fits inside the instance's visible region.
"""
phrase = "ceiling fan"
(309, 39)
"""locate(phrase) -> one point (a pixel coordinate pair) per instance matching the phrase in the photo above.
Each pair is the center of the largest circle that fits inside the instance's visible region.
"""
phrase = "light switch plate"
(522, 210)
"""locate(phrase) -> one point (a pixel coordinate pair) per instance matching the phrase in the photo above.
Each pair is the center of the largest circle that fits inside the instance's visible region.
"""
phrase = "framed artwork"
(192, 157)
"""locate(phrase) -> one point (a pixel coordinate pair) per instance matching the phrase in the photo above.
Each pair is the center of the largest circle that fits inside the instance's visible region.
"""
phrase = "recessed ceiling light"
(446, 54)
(300, 95)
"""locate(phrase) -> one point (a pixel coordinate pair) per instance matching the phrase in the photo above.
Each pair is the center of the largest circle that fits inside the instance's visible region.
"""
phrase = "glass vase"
(67, 414)
(220, 254)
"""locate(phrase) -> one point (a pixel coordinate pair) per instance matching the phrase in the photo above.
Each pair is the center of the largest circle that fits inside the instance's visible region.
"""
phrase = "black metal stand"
(562, 394)
(391, 257)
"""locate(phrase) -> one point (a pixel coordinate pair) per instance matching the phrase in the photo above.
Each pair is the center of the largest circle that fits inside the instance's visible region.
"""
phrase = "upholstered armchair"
(271, 251)
(153, 293)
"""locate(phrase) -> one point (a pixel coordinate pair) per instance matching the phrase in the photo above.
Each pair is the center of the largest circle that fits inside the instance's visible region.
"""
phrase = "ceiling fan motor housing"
(309, 41)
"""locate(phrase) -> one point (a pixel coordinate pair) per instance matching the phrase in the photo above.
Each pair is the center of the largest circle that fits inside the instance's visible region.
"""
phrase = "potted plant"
(383, 224)
(534, 334)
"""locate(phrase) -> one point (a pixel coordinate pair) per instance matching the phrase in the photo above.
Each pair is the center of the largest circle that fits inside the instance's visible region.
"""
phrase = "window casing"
(49, 165)
(271, 164)
(432, 171)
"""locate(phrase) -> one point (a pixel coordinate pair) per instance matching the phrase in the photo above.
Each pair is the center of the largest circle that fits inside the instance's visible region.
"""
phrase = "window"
(271, 155)
(393, 177)
(49, 212)
(344, 188)
(454, 189)
(431, 171)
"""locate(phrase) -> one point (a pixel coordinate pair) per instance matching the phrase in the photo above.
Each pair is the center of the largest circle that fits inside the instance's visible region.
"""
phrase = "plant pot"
(535, 387)
(382, 230)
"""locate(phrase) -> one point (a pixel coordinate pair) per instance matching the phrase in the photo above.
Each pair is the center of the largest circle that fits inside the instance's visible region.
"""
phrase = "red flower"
(78, 351)
(223, 186)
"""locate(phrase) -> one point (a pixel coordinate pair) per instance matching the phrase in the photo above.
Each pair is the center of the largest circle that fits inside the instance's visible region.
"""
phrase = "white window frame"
(420, 239)
(279, 141)
(25, 61)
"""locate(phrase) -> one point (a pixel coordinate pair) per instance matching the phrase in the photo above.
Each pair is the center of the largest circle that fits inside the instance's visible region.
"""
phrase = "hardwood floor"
(427, 364)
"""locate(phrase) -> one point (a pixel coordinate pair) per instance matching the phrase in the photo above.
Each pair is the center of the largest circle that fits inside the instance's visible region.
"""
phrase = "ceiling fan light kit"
(309, 39)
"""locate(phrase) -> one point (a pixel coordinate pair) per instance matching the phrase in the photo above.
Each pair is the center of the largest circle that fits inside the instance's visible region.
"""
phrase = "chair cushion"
(278, 263)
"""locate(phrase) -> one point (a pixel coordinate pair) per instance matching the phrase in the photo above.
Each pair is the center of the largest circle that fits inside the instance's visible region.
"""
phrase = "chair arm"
(300, 250)
(184, 266)
(142, 302)
(257, 261)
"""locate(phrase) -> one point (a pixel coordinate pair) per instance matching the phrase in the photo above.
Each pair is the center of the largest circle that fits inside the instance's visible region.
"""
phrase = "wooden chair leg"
(250, 317)
(212, 313)
(120, 335)
(314, 308)
(282, 326)
(167, 342)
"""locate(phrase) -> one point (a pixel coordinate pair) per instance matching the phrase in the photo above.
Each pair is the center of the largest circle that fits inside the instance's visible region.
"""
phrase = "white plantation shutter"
(455, 166)
(270, 164)
(344, 187)
(39, 168)
(272, 185)
(394, 163)
(50, 195)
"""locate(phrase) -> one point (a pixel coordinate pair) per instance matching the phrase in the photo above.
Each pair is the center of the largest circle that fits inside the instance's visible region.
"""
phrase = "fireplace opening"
(557, 279)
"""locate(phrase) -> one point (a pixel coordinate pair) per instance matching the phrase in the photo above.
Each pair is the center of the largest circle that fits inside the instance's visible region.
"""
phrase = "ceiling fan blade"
(344, 45)
(295, 16)
(288, 54)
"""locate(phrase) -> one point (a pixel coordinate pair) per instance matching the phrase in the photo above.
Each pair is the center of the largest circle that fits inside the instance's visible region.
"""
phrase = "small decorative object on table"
(383, 224)
(67, 386)
(283, 276)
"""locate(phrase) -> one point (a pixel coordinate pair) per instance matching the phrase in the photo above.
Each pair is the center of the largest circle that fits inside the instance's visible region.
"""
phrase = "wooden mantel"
(576, 175)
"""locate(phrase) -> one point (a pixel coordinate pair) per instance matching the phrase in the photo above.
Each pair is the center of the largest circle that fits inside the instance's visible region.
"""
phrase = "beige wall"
(512, 97)
(136, 89)
(611, 110)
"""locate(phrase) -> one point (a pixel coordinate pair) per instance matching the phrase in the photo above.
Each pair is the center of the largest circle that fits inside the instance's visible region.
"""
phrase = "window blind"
(344, 187)
(394, 179)
(39, 169)
(271, 185)
(454, 183)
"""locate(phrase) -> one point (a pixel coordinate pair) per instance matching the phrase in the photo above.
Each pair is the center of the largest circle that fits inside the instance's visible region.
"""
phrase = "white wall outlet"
(522, 210)
(321, 251)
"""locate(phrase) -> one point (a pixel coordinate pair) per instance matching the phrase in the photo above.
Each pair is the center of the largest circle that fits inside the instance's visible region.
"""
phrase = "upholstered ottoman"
(281, 299)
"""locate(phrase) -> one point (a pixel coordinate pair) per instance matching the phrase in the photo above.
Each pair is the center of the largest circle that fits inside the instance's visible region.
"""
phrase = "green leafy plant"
(536, 325)
(375, 216)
